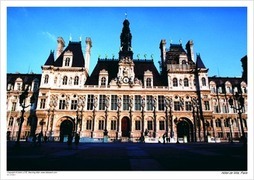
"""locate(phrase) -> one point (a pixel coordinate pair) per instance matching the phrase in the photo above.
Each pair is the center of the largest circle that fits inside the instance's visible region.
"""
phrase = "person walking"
(77, 137)
(69, 142)
(164, 138)
(39, 139)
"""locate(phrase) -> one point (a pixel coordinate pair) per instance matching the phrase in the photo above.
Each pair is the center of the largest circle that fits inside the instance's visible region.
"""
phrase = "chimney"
(60, 46)
(163, 51)
(190, 51)
(88, 53)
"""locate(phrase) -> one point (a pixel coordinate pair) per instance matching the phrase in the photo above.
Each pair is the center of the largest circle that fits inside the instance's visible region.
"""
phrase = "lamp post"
(119, 104)
(130, 112)
(194, 104)
(22, 103)
(95, 103)
(238, 106)
(42, 124)
(168, 102)
(143, 107)
(154, 104)
(81, 103)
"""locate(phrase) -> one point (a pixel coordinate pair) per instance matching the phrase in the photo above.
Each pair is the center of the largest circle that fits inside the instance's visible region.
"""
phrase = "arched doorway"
(66, 128)
(185, 130)
(125, 127)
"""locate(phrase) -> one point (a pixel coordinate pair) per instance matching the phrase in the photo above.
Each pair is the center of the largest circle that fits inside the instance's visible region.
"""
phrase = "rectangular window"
(42, 103)
(150, 125)
(149, 104)
(14, 105)
(101, 125)
(177, 106)
(188, 106)
(113, 102)
(126, 99)
(89, 124)
(162, 125)
(74, 104)
(62, 104)
(161, 103)
(102, 102)
(113, 125)
(224, 109)
(137, 102)
(207, 106)
(216, 109)
(137, 125)
(90, 101)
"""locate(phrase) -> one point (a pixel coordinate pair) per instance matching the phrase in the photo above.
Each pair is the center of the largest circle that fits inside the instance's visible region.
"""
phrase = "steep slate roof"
(172, 56)
(78, 58)
(26, 78)
(111, 65)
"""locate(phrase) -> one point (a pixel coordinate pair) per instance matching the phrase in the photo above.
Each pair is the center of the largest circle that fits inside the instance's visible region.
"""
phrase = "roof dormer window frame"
(67, 59)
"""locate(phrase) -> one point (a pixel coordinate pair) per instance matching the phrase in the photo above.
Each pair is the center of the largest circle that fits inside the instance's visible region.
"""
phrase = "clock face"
(125, 79)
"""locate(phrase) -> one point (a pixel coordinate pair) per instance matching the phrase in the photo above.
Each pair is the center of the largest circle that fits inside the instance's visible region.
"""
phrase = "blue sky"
(219, 33)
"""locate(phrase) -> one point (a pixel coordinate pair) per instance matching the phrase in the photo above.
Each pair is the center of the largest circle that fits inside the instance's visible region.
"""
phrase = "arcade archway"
(66, 128)
(125, 127)
(185, 129)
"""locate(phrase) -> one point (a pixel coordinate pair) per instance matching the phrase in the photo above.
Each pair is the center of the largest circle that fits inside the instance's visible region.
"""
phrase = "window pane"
(137, 102)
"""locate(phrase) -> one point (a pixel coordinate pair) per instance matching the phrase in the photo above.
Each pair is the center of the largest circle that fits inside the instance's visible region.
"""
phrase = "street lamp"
(22, 103)
(238, 105)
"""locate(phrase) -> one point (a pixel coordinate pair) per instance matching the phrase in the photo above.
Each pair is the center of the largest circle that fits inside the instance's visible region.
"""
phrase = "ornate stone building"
(127, 98)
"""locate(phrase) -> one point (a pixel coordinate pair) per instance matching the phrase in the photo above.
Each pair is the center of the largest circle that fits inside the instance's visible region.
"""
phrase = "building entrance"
(66, 128)
(125, 127)
(185, 130)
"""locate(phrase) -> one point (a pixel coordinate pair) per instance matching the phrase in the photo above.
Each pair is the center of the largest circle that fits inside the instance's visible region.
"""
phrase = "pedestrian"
(77, 137)
(69, 142)
(39, 138)
(34, 139)
(164, 138)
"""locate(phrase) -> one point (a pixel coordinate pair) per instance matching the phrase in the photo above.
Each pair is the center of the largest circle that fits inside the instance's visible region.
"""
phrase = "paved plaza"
(55, 156)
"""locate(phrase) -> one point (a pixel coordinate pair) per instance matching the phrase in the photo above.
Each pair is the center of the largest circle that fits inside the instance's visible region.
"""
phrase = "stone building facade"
(126, 98)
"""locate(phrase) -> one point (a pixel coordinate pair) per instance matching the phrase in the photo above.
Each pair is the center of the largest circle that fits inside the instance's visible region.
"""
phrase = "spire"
(125, 38)
(199, 62)
(50, 60)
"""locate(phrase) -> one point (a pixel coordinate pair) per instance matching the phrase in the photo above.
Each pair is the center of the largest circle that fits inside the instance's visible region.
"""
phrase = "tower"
(125, 44)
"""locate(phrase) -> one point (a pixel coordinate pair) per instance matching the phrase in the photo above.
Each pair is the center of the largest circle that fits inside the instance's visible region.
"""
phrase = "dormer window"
(67, 61)
(148, 82)
(103, 81)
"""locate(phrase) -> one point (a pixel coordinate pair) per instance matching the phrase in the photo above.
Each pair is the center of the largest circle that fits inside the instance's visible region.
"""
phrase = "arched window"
(46, 79)
(65, 79)
(175, 82)
(148, 82)
(186, 82)
(103, 81)
(203, 80)
(67, 61)
(76, 79)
